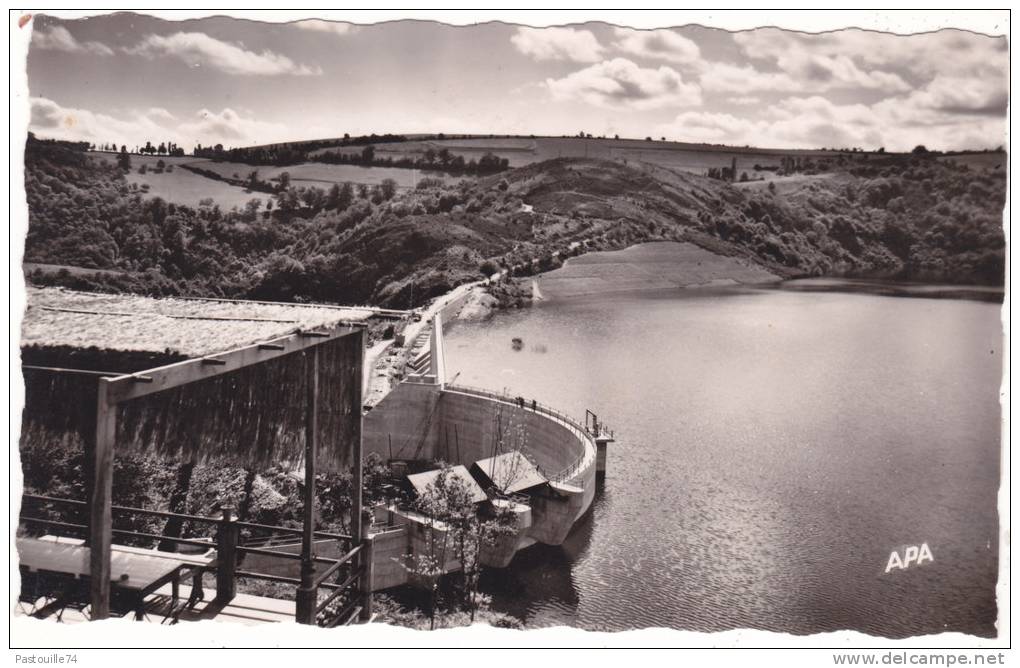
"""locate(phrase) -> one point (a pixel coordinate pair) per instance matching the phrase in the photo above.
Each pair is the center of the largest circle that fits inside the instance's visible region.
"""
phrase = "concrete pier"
(602, 442)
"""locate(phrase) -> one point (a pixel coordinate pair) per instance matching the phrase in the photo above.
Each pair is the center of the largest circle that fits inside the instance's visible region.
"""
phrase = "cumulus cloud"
(822, 62)
(230, 127)
(58, 38)
(814, 121)
(947, 89)
(51, 120)
(621, 83)
(558, 44)
(729, 78)
(160, 115)
(922, 55)
(964, 95)
(319, 25)
(199, 49)
(664, 45)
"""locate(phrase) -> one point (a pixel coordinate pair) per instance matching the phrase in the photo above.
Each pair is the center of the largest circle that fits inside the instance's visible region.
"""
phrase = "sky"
(128, 78)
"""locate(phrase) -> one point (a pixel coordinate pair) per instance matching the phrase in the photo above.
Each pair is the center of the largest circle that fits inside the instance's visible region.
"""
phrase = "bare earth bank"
(648, 266)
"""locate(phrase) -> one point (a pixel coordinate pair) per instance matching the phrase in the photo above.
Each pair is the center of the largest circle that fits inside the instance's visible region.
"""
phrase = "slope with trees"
(905, 217)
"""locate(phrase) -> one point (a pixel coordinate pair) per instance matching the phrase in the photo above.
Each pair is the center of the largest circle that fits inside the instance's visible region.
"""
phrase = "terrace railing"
(342, 580)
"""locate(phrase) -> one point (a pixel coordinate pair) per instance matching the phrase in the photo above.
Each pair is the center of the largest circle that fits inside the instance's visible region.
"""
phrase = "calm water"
(774, 447)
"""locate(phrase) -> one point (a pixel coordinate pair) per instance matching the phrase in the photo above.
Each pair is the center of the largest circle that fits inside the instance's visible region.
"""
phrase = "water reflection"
(773, 446)
(539, 585)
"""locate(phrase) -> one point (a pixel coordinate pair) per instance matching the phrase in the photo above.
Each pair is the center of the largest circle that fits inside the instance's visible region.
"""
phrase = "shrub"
(488, 268)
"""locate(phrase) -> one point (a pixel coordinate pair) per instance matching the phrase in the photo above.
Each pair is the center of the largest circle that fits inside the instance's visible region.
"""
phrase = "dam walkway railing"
(583, 435)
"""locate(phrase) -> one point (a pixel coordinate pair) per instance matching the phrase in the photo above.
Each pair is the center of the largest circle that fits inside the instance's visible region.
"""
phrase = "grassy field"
(185, 187)
(978, 160)
(321, 174)
(521, 151)
(29, 267)
(181, 186)
(786, 184)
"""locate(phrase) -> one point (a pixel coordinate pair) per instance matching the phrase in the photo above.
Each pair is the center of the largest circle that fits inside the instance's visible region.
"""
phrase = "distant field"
(322, 174)
(181, 186)
(521, 151)
(785, 184)
(29, 267)
(978, 160)
(185, 187)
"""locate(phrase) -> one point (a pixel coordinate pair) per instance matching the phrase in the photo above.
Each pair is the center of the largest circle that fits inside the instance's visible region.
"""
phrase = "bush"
(488, 268)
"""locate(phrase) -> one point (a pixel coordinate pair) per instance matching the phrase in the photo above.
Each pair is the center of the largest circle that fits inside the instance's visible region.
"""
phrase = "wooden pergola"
(303, 345)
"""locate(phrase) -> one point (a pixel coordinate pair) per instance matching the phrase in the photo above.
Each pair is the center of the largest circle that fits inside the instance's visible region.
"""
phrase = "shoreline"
(765, 279)
(654, 265)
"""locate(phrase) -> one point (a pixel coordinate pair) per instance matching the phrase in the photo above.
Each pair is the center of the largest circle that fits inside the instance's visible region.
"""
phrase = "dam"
(426, 419)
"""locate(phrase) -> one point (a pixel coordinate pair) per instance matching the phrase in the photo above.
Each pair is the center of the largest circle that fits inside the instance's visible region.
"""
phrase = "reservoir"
(774, 446)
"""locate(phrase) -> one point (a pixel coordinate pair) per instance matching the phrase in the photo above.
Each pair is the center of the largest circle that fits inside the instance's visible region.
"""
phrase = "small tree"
(455, 528)
(437, 503)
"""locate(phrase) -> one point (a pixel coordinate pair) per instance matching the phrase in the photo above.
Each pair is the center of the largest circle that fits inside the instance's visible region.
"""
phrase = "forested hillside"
(913, 218)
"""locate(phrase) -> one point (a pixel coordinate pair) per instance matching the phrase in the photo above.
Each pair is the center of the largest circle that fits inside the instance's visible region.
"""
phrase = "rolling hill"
(907, 217)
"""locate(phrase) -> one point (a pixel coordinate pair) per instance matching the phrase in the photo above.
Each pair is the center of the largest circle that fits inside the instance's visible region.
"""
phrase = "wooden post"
(226, 556)
(307, 594)
(361, 520)
(356, 447)
(100, 512)
(367, 572)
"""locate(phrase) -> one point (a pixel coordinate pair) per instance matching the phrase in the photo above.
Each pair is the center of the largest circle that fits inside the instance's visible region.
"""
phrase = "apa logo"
(912, 554)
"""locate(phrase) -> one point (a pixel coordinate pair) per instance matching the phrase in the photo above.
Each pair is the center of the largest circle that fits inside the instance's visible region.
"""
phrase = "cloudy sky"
(128, 78)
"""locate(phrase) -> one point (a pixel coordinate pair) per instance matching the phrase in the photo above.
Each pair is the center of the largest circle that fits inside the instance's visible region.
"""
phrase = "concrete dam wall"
(423, 418)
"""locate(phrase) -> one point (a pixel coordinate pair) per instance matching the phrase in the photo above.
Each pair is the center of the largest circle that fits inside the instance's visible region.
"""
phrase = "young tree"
(454, 528)
(436, 504)
(346, 196)
(251, 208)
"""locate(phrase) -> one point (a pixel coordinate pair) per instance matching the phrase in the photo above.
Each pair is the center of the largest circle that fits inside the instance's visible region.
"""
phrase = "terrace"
(247, 384)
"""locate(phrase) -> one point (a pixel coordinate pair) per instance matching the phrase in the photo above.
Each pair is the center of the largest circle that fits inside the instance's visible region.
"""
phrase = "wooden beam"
(311, 442)
(359, 523)
(83, 372)
(307, 595)
(100, 512)
(150, 381)
(356, 448)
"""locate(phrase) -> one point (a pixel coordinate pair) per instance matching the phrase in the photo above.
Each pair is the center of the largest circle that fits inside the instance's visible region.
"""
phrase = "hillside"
(906, 217)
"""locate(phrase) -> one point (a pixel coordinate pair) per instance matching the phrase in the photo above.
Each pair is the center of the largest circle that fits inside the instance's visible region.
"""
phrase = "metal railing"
(225, 540)
(587, 439)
